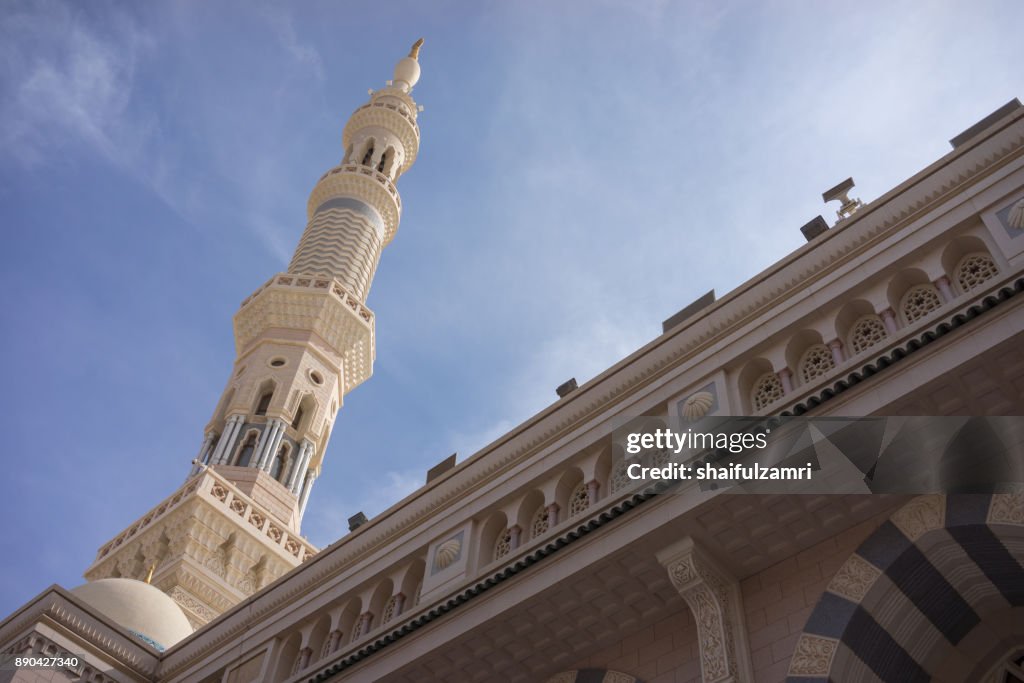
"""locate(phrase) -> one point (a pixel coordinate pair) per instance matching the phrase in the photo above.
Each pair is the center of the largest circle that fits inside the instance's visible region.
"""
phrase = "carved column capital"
(713, 596)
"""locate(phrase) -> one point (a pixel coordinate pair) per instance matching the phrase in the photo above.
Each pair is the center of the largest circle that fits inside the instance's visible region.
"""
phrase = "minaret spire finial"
(415, 51)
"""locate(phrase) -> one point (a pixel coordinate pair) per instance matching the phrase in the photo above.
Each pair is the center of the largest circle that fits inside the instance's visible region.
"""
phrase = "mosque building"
(539, 558)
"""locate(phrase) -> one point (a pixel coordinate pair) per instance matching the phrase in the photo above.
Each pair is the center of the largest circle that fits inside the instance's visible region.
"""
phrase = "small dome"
(407, 70)
(145, 610)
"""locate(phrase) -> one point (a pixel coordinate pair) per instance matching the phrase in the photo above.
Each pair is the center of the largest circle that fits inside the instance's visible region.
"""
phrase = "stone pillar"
(836, 347)
(204, 450)
(515, 532)
(232, 426)
(713, 596)
(399, 605)
(332, 643)
(945, 290)
(298, 466)
(275, 445)
(365, 622)
(261, 444)
(267, 440)
(786, 377)
(552, 515)
(888, 317)
(304, 498)
(593, 486)
(305, 654)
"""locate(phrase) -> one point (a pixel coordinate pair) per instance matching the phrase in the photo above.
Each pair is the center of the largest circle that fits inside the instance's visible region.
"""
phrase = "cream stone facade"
(537, 558)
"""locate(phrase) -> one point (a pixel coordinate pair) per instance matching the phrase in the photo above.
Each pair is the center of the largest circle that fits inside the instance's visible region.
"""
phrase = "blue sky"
(586, 170)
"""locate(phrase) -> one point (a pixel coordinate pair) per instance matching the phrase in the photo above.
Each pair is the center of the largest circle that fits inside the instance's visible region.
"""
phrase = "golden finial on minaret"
(149, 576)
(415, 51)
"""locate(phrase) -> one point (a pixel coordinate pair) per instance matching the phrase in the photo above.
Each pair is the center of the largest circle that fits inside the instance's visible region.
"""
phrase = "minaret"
(303, 340)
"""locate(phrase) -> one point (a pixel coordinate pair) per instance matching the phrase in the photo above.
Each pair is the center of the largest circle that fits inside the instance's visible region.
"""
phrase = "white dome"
(145, 610)
(408, 70)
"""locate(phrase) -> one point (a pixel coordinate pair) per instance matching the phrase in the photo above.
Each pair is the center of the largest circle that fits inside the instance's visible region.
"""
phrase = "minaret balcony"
(364, 183)
(315, 305)
(391, 116)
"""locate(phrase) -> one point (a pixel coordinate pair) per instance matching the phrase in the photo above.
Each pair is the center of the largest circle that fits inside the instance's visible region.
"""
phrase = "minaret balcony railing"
(370, 173)
(217, 491)
(331, 285)
(402, 111)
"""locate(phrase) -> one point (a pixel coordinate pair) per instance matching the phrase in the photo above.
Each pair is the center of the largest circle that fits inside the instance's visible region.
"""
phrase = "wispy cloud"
(68, 84)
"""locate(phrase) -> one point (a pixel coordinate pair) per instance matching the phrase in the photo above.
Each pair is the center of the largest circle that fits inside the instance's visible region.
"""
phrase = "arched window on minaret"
(298, 418)
(245, 450)
(265, 398)
(368, 156)
(277, 467)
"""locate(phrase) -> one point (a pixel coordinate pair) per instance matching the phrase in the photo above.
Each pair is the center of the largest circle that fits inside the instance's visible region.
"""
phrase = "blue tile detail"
(927, 588)
(964, 509)
(830, 616)
(883, 655)
(992, 557)
(884, 546)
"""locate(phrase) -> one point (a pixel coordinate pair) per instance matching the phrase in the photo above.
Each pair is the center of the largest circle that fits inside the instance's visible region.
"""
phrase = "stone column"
(713, 596)
(204, 451)
(786, 377)
(888, 317)
(836, 347)
(945, 290)
(304, 498)
(593, 486)
(232, 426)
(365, 622)
(305, 654)
(332, 643)
(268, 460)
(298, 465)
(515, 532)
(270, 438)
(399, 605)
(552, 515)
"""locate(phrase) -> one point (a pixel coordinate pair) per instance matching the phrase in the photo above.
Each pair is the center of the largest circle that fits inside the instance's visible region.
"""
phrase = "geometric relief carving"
(1007, 508)
(192, 604)
(854, 579)
(713, 598)
(812, 656)
(218, 562)
(921, 515)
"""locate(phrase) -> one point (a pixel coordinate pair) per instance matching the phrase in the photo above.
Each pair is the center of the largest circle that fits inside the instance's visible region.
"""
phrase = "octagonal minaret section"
(306, 338)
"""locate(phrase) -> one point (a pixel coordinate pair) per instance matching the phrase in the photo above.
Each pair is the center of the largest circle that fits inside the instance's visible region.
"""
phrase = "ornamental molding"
(1007, 508)
(854, 579)
(813, 656)
(713, 597)
(921, 515)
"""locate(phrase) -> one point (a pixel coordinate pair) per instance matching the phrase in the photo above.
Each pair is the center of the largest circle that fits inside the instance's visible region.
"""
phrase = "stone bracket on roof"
(713, 596)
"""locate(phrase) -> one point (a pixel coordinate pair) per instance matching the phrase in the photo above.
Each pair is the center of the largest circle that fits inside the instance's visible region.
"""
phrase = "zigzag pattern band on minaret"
(342, 243)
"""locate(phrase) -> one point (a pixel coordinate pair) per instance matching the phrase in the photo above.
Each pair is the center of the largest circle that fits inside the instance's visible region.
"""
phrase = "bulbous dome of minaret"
(408, 68)
(149, 613)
